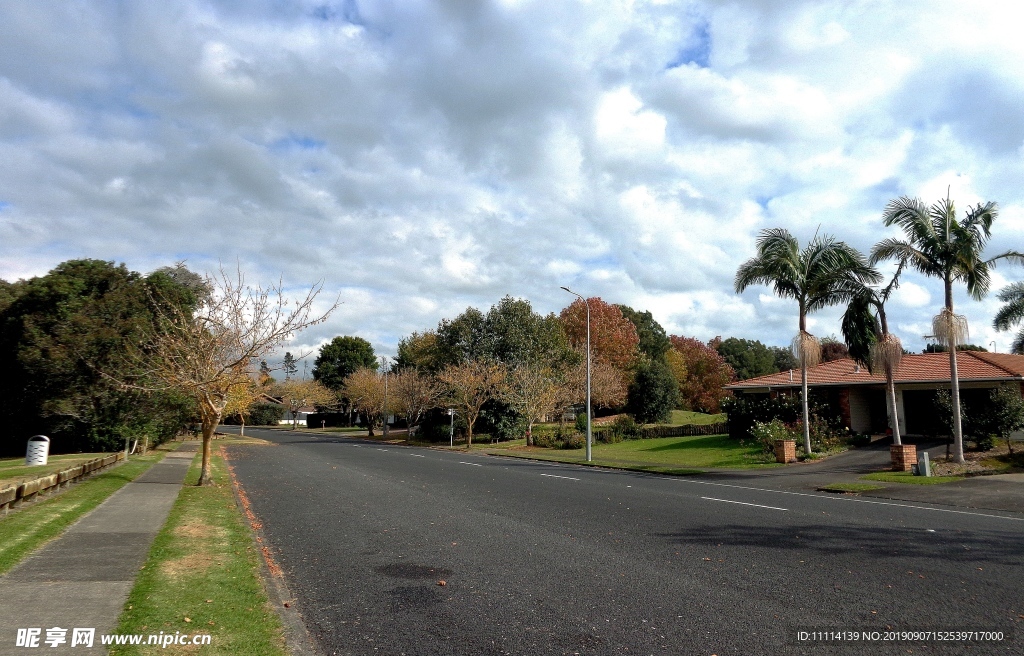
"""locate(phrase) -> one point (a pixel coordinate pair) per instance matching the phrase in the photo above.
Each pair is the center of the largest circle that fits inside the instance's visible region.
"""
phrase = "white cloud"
(420, 157)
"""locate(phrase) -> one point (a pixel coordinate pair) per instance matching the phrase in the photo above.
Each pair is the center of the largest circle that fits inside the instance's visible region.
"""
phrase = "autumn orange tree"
(613, 337)
(295, 394)
(706, 374)
(212, 353)
(470, 385)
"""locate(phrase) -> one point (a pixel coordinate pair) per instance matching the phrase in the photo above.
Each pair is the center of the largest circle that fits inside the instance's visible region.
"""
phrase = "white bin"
(38, 451)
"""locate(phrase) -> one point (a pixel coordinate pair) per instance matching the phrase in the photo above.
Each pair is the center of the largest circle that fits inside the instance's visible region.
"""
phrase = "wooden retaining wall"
(12, 496)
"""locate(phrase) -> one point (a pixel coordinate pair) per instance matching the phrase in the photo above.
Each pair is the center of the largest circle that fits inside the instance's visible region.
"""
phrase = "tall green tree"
(654, 392)
(289, 366)
(866, 331)
(749, 358)
(654, 342)
(937, 245)
(340, 358)
(63, 340)
(824, 273)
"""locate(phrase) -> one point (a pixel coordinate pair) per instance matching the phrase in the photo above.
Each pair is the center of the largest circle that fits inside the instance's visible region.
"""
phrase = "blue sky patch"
(697, 49)
(347, 10)
(296, 142)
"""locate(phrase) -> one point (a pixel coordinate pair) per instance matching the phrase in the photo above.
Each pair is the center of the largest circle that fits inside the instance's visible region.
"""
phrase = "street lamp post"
(589, 433)
(451, 431)
(384, 366)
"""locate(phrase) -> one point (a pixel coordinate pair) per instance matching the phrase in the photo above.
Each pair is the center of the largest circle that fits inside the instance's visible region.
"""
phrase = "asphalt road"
(555, 559)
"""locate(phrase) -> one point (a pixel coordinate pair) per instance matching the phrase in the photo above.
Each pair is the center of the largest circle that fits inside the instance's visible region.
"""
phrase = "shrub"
(581, 423)
(266, 414)
(744, 410)
(574, 441)
(766, 434)
(626, 427)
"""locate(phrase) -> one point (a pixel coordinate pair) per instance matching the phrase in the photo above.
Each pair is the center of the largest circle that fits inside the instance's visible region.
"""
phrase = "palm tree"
(866, 331)
(824, 273)
(938, 245)
(1012, 313)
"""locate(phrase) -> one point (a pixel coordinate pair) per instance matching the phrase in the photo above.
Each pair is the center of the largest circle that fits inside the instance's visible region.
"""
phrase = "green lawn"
(15, 469)
(202, 576)
(663, 455)
(685, 417)
(908, 477)
(25, 530)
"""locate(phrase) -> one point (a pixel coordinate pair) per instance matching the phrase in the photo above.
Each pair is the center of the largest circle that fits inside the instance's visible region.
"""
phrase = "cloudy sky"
(421, 157)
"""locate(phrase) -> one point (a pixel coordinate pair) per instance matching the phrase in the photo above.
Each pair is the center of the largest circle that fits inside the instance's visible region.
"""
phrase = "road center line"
(553, 476)
(470, 463)
(837, 498)
(416, 455)
(743, 503)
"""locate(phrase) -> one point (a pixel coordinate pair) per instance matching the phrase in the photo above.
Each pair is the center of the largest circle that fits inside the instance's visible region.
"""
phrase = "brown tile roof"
(917, 368)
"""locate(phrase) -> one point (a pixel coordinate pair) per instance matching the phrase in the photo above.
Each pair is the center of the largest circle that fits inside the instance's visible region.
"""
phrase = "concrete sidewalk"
(82, 579)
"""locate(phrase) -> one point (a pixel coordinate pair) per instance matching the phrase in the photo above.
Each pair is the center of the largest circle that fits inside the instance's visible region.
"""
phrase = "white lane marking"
(743, 503)
(470, 463)
(553, 476)
(835, 498)
(382, 449)
(416, 455)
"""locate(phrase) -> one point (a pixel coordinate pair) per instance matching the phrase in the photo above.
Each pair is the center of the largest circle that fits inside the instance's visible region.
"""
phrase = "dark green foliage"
(749, 358)
(501, 421)
(265, 414)
(653, 394)
(341, 357)
(940, 348)
(289, 366)
(986, 418)
(63, 342)
(654, 340)
(861, 328)
(581, 422)
(626, 428)
(743, 410)
(510, 333)
(784, 358)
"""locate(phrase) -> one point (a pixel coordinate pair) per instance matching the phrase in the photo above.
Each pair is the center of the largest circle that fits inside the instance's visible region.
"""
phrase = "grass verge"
(202, 576)
(908, 477)
(14, 469)
(26, 530)
(687, 417)
(667, 455)
(850, 487)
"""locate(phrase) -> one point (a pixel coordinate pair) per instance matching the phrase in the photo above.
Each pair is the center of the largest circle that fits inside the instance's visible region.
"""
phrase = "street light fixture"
(589, 433)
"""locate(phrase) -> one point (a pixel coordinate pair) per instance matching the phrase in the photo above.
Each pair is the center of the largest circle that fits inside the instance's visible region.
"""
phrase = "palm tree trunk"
(958, 435)
(894, 421)
(807, 411)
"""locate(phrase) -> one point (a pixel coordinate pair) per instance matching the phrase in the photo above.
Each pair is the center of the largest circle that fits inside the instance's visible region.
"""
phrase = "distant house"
(301, 415)
(859, 396)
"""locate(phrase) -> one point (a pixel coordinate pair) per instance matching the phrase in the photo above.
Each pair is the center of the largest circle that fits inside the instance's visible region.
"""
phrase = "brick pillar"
(785, 451)
(903, 456)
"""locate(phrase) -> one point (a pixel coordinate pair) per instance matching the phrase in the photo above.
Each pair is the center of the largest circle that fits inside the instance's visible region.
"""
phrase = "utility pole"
(384, 366)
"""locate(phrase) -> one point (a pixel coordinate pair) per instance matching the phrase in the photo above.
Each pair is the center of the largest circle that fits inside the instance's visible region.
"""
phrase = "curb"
(298, 641)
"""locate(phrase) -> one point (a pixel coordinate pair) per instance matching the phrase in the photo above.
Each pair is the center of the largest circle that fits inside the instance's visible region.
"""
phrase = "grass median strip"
(202, 577)
(908, 477)
(664, 455)
(27, 529)
(850, 487)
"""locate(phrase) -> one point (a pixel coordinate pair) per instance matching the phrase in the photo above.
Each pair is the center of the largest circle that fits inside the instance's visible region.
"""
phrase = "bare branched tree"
(415, 393)
(364, 389)
(470, 385)
(295, 394)
(213, 352)
(535, 391)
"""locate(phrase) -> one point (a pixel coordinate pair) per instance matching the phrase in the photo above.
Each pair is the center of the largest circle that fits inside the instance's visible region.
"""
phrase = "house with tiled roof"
(859, 395)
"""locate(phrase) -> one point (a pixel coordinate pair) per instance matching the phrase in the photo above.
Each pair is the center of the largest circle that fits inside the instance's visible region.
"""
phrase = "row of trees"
(513, 367)
(829, 272)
